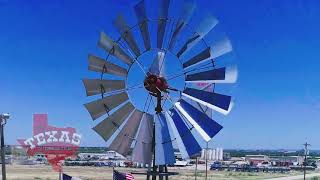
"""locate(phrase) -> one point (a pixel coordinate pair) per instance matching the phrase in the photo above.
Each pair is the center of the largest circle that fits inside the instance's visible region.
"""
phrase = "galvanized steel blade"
(163, 16)
(164, 148)
(109, 125)
(218, 102)
(204, 124)
(123, 141)
(101, 65)
(111, 47)
(142, 151)
(140, 12)
(185, 15)
(102, 106)
(158, 66)
(125, 31)
(206, 25)
(219, 75)
(100, 86)
(186, 142)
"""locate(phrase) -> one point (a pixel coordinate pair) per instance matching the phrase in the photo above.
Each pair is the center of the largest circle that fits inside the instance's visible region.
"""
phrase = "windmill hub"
(155, 84)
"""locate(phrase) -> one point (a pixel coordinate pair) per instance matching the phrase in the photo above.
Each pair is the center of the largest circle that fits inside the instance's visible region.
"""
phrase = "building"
(287, 160)
(226, 156)
(109, 155)
(256, 159)
(212, 154)
(219, 154)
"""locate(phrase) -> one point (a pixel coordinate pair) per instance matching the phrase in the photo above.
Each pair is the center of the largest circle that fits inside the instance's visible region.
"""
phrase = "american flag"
(122, 176)
(67, 177)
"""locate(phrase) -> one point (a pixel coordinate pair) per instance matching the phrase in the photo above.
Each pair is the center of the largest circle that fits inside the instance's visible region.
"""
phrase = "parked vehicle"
(217, 166)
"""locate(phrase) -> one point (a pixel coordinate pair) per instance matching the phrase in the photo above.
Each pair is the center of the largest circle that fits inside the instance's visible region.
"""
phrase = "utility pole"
(3, 121)
(305, 159)
(3, 156)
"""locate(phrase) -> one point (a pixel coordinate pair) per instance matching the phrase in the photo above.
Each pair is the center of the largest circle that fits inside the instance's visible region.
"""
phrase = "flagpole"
(113, 172)
(207, 162)
(149, 170)
(60, 174)
(196, 170)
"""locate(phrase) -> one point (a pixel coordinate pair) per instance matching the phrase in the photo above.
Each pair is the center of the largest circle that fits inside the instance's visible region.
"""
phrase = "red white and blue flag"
(122, 176)
(67, 177)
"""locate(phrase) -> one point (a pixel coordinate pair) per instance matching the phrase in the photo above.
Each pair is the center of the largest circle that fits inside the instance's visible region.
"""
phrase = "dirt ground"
(44, 172)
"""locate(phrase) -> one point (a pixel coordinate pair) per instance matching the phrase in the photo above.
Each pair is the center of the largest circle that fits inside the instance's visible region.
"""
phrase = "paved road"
(298, 177)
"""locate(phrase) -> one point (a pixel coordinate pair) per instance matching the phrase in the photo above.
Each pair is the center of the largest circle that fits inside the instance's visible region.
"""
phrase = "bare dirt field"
(44, 172)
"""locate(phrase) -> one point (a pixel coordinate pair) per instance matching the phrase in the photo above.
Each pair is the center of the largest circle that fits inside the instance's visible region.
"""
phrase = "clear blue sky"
(44, 47)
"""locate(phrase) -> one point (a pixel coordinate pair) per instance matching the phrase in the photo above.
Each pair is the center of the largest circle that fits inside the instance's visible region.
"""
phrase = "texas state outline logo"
(55, 143)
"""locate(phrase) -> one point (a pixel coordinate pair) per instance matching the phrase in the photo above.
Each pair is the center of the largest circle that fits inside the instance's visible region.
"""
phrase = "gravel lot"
(26, 172)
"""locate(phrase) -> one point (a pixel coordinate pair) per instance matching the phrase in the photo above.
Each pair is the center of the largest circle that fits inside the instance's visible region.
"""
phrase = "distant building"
(287, 160)
(226, 156)
(212, 154)
(256, 159)
(109, 155)
(220, 154)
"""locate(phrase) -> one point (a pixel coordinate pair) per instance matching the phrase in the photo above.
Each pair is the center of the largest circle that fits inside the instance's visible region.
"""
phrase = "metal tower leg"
(166, 170)
(161, 171)
(154, 168)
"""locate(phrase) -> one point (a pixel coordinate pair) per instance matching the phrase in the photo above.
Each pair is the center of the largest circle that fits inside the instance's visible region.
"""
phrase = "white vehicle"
(264, 164)
(181, 163)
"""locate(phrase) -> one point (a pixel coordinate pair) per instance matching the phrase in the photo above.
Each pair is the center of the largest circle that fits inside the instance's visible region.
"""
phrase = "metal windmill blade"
(142, 151)
(164, 151)
(186, 142)
(109, 125)
(205, 26)
(128, 124)
(98, 86)
(184, 17)
(141, 14)
(217, 49)
(162, 22)
(113, 48)
(126, 34)
(102, 106)
(123, 141)
(100, 65)
(220, 75)
(157, 66)
(218, 102)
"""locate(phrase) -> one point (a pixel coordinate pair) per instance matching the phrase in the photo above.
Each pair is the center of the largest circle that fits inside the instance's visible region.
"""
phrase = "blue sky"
(44, 47)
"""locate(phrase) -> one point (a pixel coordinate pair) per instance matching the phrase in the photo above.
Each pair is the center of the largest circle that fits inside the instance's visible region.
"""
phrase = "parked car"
(216, 166)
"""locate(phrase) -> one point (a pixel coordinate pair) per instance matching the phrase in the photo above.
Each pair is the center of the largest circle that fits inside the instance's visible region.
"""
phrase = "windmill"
(177, 120)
